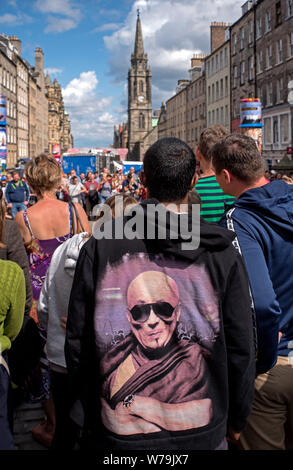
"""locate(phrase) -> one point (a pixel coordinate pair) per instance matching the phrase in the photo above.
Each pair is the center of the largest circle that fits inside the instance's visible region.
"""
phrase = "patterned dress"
(40, 253)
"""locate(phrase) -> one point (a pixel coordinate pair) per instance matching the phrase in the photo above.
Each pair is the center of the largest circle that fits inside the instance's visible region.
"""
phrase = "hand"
(9, 205)
(63, 322)
(25, 203)
(233, 436)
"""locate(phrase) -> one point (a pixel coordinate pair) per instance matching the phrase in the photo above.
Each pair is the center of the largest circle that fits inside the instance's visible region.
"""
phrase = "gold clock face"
(141, 99)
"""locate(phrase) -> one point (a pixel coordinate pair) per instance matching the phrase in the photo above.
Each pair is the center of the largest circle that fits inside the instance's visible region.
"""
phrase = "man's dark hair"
(169, 166)
(209, 137)
(239, 155)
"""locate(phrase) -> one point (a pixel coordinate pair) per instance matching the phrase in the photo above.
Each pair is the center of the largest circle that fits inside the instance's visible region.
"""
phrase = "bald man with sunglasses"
(151, 374)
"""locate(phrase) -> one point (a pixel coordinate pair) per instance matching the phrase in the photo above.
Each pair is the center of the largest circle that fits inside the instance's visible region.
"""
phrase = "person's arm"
(238, 331)
(14, 318)
(266, 305)
(43, 303)
(16, 252)
(80, 341)
(7, 194)
(27, 192)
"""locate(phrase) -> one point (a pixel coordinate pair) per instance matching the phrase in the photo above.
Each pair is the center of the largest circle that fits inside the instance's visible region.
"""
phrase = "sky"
(87, 46)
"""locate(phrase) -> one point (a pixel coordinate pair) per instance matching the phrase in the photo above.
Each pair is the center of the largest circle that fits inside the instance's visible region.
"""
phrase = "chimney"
(218, 34)
(16, 43)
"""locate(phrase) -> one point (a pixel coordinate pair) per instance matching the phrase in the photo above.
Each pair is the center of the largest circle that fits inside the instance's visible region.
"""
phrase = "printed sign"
(2, 110)
(3, 144)
(250, 112)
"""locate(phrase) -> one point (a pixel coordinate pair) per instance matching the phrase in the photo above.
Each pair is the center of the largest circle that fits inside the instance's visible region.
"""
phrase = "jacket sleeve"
(14, 319)
(238, 330)
(7, 193)
(16, 252)
(79, 343)
(267, 308)
(27, 192)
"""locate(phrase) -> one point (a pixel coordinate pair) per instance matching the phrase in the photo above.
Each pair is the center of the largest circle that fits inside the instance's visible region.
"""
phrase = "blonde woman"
(44, 227)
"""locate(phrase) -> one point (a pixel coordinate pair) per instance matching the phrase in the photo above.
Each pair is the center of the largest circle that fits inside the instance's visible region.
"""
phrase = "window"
(259, 59)
(267, 131)
(280, 50)
(222, 88)
(234, 43)
(226, 56)
(141, 86)
(213, 92)
(290, 45)
(242, 35)
(250, 68)
(213, 65)
(268, 21)
(221, 60)
(269, 56)
(209, 118)
(269, 94)
(217, 62)
(141, 121)
(226, 115)
(209, 95)
(242, 73)
(250, 32)
(278, 13)
(222, 115)
(217, 90)
(284, 128)
(226, 86)
(289, 8)
(279, 90)
(217, 116)
(275, 130)
(235, 76)
(258, 28)
(209, 70)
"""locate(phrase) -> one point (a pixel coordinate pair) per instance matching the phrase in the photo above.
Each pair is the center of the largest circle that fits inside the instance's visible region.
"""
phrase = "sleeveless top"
(40, 253)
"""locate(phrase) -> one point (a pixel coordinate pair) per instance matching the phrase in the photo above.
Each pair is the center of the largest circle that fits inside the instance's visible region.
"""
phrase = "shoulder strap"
(76, 218)
(27, 223)
(235, 242)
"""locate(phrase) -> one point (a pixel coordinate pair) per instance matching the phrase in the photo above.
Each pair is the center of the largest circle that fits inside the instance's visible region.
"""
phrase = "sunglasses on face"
(163, 310)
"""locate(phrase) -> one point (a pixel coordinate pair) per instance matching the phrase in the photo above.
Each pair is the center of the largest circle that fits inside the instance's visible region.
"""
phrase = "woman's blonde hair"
(43, 173)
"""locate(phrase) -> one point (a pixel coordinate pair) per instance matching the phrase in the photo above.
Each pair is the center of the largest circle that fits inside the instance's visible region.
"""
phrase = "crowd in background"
(44, 222)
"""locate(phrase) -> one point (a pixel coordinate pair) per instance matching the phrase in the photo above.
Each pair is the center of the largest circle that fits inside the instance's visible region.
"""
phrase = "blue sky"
(87, 46)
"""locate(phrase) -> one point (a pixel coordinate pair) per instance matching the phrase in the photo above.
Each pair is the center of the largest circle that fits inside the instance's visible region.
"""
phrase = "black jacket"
(174, 375)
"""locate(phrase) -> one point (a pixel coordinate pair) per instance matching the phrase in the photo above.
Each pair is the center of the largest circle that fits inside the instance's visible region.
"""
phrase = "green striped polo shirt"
(214, 202)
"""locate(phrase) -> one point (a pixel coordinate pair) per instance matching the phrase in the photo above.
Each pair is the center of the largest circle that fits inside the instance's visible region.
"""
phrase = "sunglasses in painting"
(141, 312)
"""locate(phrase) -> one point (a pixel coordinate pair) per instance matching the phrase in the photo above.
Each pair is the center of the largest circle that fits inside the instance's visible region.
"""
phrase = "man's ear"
(197, 154)
(227, 175)
(194, 180)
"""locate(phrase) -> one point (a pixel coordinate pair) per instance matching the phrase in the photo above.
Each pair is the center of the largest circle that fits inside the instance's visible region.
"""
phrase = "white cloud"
(173, 30)
(69, 19)
(52, 71)
(60, 7)
(106, 27)
(11, 19)
(91, 119)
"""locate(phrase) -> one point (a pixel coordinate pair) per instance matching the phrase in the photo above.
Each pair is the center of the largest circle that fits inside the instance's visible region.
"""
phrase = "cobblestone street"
(26, 416)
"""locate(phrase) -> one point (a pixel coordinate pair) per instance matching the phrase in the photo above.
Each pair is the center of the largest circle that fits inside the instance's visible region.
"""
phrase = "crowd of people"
(141, 342)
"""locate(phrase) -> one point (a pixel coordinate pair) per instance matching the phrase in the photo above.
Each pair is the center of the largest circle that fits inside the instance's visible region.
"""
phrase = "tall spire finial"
(138, 46)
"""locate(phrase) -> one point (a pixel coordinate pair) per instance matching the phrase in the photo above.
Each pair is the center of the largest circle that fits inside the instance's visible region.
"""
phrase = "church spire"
(138, 46)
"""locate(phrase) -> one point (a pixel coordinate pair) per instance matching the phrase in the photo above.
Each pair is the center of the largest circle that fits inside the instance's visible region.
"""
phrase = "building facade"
(196, 101)
(8, 89)
(139, 97)
(274, 59)
(217, 67)
(60, 138)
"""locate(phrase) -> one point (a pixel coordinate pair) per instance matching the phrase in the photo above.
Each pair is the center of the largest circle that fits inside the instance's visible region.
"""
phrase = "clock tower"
(139, 97)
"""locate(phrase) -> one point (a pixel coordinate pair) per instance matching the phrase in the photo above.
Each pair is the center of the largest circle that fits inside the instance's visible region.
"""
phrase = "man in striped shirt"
(214, 202)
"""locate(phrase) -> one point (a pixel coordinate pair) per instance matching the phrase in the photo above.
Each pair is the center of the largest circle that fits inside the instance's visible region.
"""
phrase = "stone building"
(139, 97)
(120, 138)
(217, 67)
(8, 89)
(196, 100)
(42, 113)
(242, 59)
(262, 67)
(274, 72)
(60, 138)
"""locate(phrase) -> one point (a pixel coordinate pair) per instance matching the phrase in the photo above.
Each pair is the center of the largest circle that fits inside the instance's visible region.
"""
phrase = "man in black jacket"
(124, 363)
